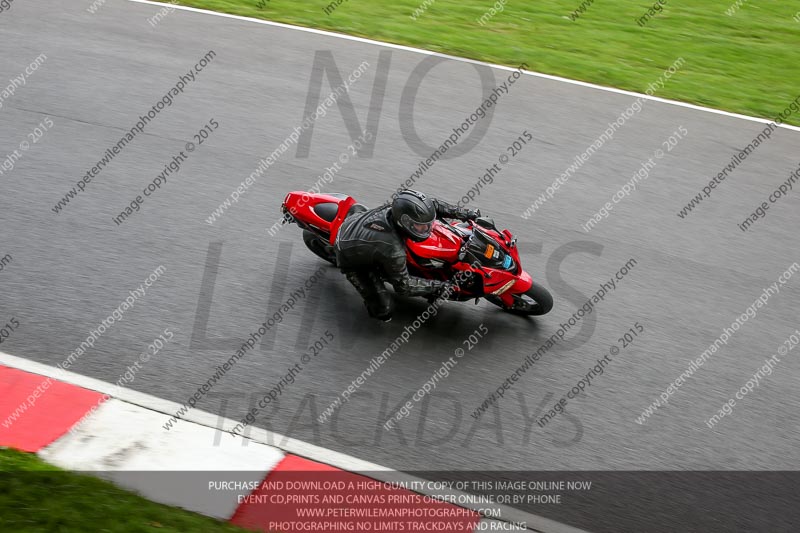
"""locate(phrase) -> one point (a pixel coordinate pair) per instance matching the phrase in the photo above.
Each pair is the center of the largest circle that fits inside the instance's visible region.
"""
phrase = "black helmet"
(414, 214)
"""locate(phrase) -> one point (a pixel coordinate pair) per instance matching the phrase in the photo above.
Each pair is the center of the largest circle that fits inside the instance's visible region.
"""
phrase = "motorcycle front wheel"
(534, 302)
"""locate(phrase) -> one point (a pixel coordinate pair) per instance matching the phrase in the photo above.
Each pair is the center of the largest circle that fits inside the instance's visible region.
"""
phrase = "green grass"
(745, 63)
(37, 497)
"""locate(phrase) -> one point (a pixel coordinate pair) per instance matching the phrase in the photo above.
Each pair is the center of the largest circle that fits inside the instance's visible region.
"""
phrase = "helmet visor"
(417, 228)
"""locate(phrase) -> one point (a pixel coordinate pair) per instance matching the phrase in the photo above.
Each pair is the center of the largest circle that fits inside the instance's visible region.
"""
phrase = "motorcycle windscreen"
(488, 251)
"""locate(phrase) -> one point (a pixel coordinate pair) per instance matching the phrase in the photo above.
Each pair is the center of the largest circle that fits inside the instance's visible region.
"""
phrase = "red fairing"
(524, 282)
(445, 245)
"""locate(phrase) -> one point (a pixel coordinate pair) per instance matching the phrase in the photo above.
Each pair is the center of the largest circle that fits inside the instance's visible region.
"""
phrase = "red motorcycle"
(484, 261)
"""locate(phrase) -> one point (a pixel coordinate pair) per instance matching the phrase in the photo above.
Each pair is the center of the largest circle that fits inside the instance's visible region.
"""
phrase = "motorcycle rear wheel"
(319, 247)
(535, 301)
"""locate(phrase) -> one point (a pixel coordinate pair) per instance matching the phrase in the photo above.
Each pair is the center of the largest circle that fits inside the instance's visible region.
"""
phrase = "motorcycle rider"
(370, 248)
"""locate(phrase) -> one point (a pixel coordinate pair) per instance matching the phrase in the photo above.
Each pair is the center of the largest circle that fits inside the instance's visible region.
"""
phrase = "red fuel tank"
(442, 244)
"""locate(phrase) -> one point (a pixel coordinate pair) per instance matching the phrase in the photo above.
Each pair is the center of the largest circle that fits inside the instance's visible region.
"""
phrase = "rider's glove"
(472, 215)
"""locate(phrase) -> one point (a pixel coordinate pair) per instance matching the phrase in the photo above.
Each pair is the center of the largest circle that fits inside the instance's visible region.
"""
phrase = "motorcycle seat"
(357, 208)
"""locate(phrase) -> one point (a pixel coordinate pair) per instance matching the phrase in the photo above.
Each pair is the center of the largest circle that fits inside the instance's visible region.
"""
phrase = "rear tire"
(319, 247)
(535, 301)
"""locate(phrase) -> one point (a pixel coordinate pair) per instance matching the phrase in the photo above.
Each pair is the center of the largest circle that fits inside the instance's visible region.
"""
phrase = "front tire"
(536, 301)
(319, 247)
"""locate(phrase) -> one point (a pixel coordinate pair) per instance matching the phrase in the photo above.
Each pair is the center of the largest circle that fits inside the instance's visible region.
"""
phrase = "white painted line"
(123, 436)
(466, 60)
(128, 445)
(258, 435)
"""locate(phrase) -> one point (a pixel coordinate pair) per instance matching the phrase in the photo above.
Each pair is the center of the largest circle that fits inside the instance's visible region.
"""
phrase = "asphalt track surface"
(692, 276)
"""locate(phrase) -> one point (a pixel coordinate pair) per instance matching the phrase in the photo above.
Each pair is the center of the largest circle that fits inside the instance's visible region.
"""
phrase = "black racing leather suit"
(370, 249)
